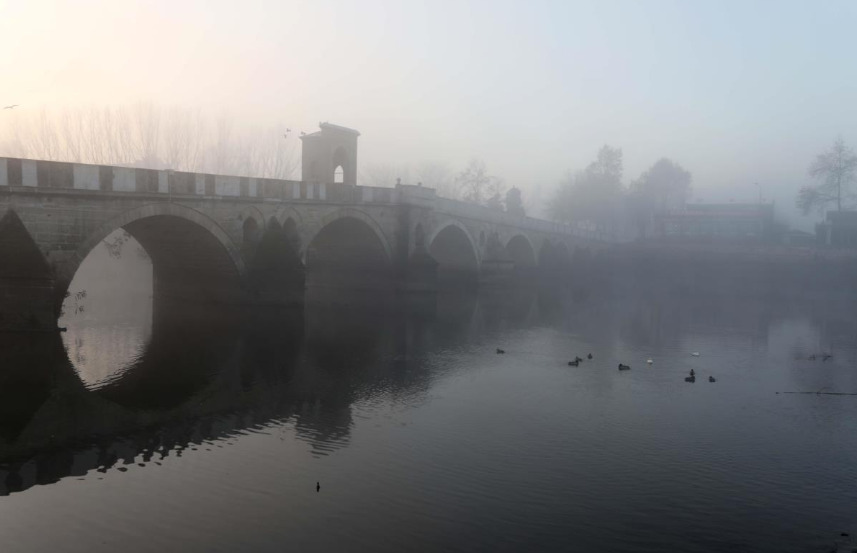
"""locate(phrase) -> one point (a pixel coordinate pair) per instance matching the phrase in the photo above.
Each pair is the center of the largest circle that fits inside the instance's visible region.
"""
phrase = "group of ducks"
(577, 360)
(692, 377)
(824, 357)
(622, 367)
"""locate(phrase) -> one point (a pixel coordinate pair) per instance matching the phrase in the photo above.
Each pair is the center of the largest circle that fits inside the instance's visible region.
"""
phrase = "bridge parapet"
(54, 176)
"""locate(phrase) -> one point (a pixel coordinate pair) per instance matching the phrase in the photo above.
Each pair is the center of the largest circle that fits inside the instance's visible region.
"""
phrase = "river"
(189, 431)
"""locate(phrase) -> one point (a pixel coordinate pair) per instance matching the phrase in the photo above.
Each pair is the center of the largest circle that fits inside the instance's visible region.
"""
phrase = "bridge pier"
(27, 283)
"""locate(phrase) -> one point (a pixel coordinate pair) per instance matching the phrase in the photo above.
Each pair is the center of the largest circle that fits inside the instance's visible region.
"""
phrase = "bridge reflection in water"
(199, 376)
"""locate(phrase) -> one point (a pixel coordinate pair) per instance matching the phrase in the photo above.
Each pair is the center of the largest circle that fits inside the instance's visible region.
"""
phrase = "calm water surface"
(190, 432)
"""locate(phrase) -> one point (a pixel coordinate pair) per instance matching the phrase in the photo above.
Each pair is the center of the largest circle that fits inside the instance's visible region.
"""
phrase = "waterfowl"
(692, 373)
(578, 359)
(711, 379)
(62, 328)
(649, 361)
(500, 351)
(317, 487)
(695, 354)
(826, 356)
(624, 367)
(690, 379)
(573, 363)
(589, 356)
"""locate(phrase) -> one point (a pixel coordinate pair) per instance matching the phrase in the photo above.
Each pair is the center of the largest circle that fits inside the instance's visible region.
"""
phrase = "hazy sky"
(737, 92)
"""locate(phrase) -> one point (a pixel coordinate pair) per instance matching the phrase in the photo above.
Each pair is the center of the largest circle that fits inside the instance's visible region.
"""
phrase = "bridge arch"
(521, 251)
(252, 212)
(309, 233)
(456, 253)
(285, 213)
(193, 258)
(348, 249)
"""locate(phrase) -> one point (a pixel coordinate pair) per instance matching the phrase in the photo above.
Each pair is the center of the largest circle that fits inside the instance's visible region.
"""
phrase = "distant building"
(838, 229)
(729, 222)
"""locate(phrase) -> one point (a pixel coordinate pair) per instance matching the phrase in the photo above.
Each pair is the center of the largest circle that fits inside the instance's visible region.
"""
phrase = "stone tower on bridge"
(330, 155)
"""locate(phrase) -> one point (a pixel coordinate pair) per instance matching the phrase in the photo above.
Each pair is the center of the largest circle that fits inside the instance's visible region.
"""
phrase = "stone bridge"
(230, 239)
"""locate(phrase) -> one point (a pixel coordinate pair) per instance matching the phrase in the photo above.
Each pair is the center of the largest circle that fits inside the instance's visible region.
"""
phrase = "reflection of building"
(741, 222)
(838, 229)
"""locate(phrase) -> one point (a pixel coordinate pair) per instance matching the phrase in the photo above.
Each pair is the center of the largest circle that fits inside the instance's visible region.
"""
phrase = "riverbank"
(757, 270)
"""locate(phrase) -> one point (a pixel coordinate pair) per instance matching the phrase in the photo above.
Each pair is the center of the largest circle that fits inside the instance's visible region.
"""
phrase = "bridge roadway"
(239, 240)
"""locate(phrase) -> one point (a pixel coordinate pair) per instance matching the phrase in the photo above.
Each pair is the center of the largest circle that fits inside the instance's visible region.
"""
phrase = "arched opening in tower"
(340, 164)
(456, 258)
(348, 254)
(275, 272)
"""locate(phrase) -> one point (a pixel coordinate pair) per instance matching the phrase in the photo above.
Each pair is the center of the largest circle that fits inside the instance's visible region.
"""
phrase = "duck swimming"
(573, 363)
(589, 356)
(711, 379)
(649, 361)
(695, 354)
(578, 359)
(500, 351)
(692, 373)
(690, 378)
(624, 367)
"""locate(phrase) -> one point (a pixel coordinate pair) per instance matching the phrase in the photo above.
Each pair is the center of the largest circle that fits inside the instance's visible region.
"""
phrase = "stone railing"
(54, 175)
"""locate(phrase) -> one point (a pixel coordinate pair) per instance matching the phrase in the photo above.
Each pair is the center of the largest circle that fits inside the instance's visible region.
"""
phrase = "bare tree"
(473, 181)
(146, 125)
(666, 184)
(592, 195)
(384, 175)
(836, 170)
(148, 136)
(183, 144)
(437, 175)
(270, 153)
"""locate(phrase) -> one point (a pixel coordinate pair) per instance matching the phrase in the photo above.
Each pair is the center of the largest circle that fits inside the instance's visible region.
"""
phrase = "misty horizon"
(734, 100)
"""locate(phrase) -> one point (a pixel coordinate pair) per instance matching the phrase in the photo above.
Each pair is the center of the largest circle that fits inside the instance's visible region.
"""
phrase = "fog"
(737, 93)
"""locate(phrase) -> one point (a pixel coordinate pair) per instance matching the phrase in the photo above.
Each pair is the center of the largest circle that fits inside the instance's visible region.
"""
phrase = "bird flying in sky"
(13, 106)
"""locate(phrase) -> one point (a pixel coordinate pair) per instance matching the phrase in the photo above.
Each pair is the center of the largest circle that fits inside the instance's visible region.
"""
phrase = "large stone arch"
(521, 251)
(453, 248)
(178, 239)
(346, 250)
(309, 232)
(458, 224)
